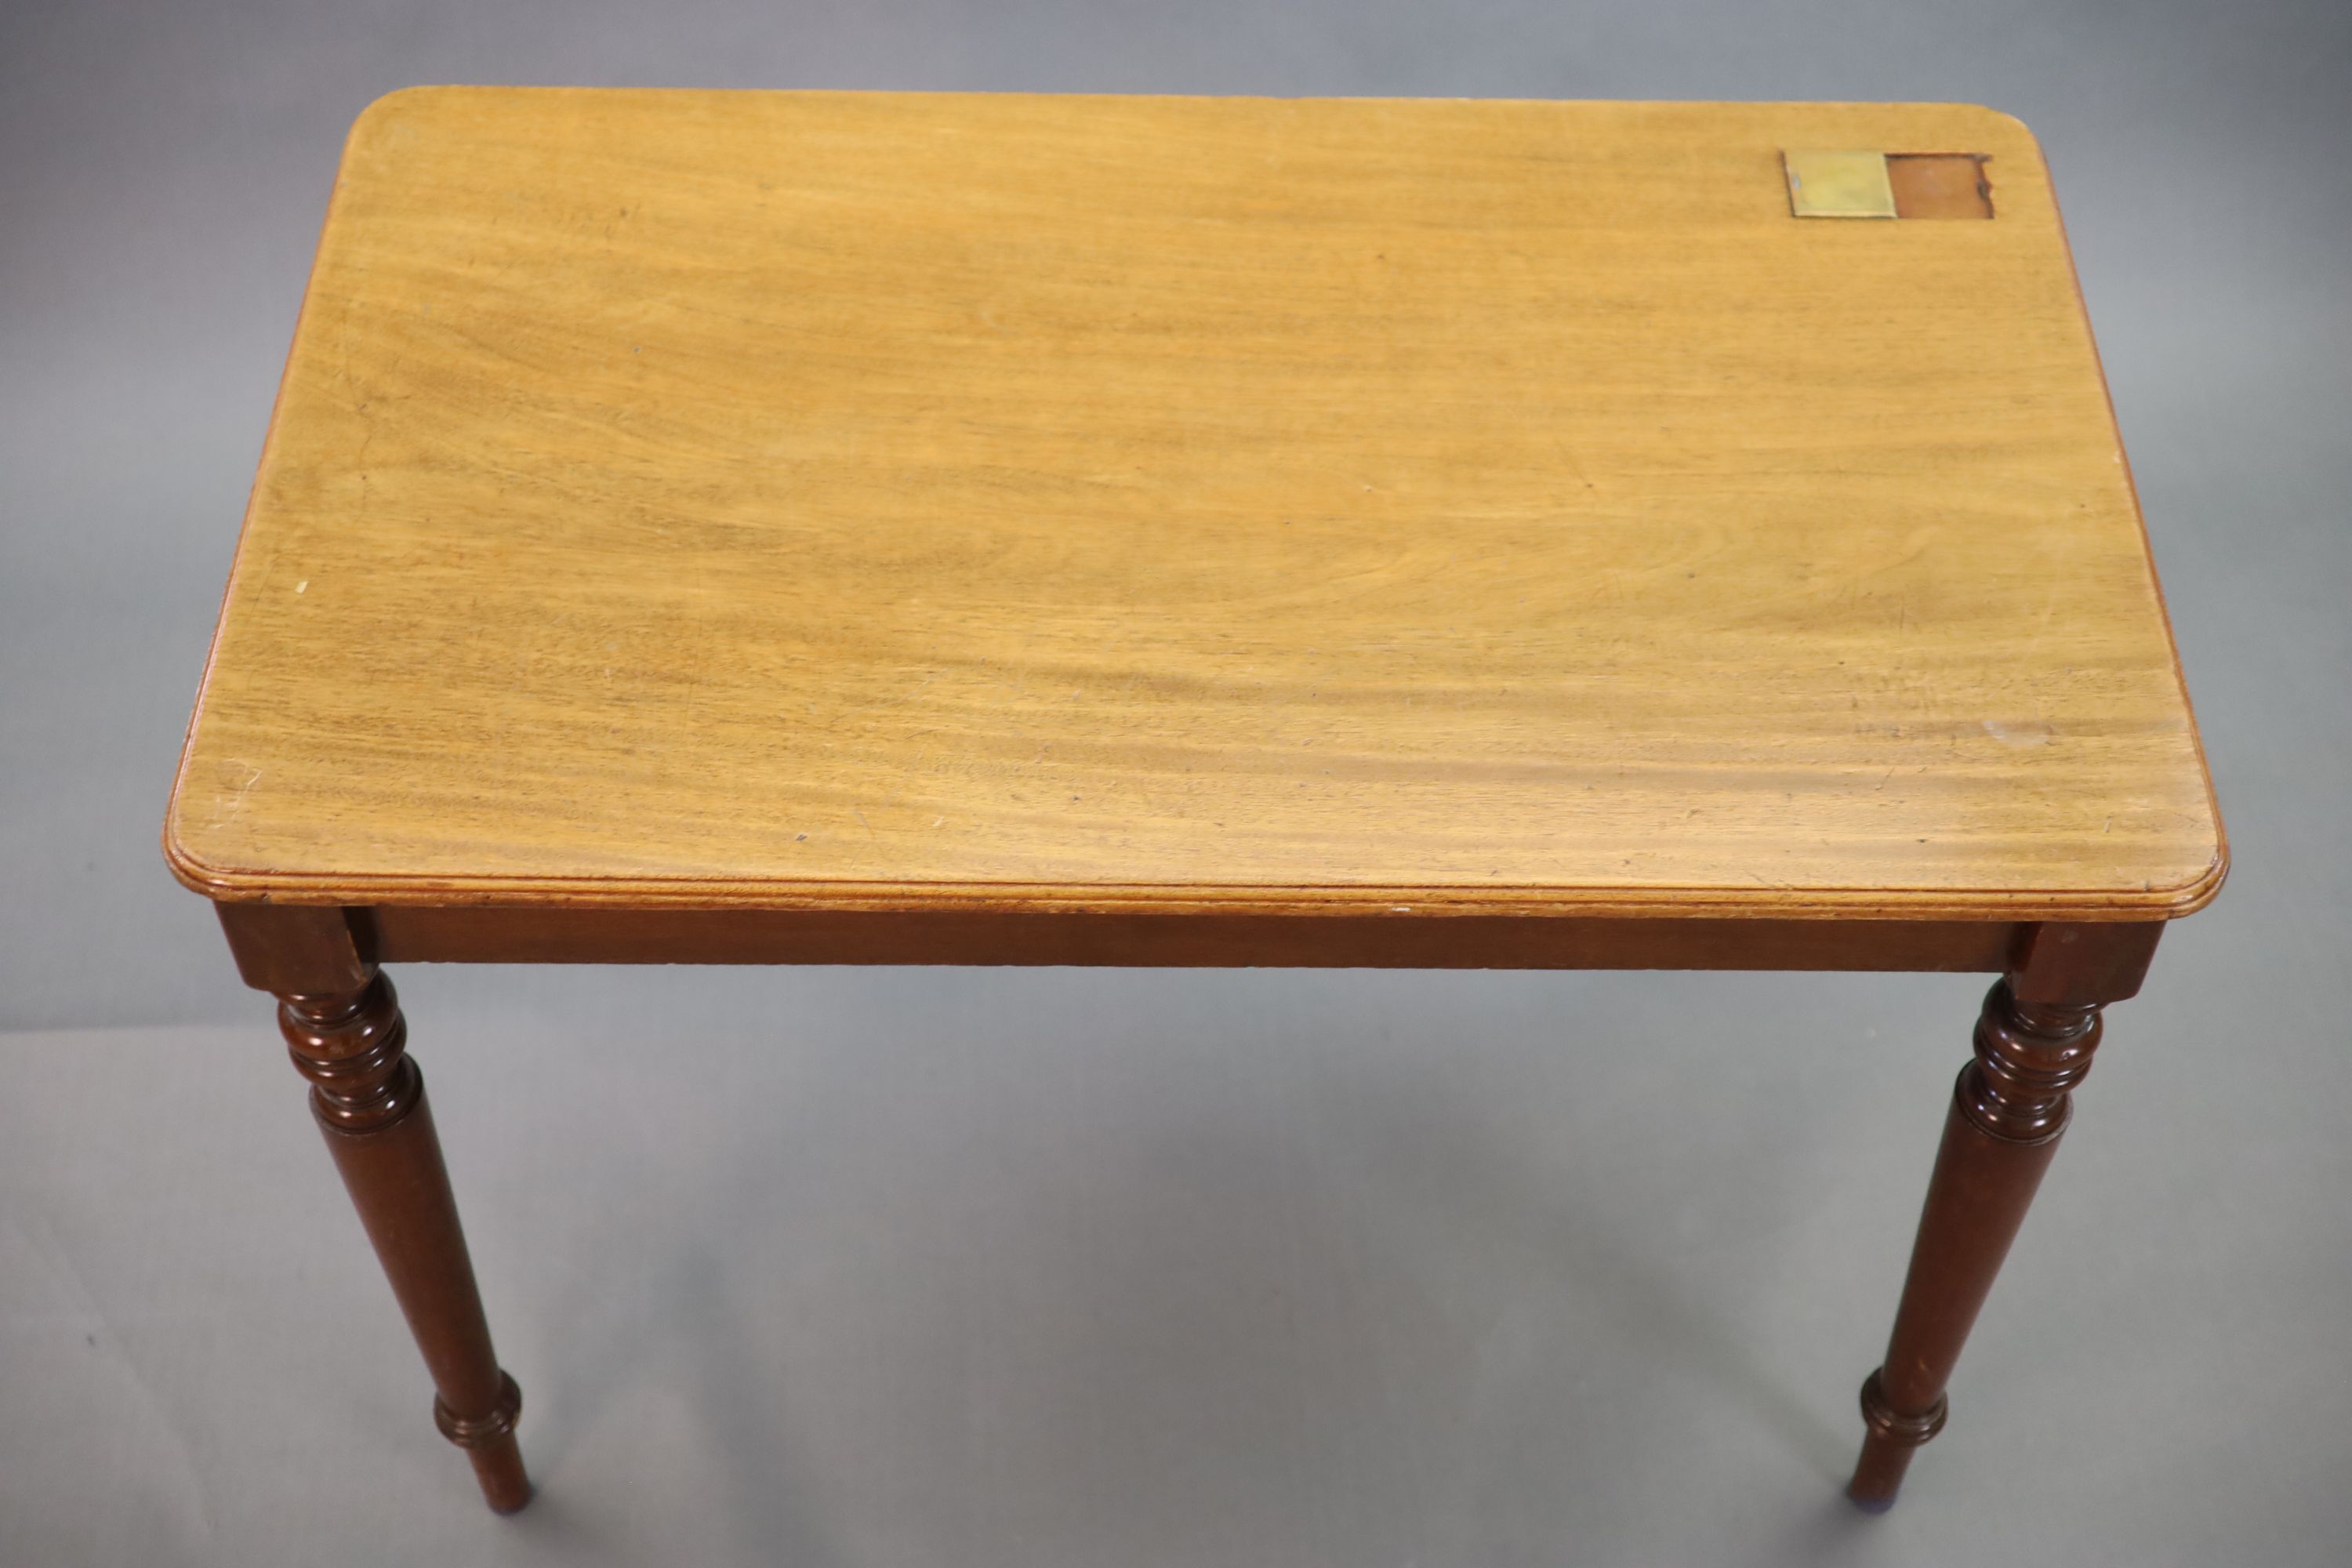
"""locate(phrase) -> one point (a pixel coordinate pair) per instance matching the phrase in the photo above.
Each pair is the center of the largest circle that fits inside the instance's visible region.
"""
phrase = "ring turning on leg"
(2008, 1110)
(370, 1101)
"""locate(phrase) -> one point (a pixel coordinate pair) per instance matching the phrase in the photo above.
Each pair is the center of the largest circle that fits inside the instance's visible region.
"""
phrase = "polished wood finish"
(1014, 503)
(2072, 964)
(369, 1099)
(286, 948)
(497, 934)
(2010, 1107)
(791, 528)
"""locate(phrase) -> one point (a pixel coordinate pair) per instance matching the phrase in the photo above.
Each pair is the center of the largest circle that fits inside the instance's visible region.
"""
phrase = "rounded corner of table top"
(2001, 126)
(215, 873)
(2194, 894)
(192, 871)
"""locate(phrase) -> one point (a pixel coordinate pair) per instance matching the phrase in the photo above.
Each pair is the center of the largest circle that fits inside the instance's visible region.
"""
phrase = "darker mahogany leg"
(369, 1099)
(2008, 1110)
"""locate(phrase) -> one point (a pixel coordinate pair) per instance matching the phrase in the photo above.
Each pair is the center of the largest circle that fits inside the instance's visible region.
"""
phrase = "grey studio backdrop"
(1035, 1267)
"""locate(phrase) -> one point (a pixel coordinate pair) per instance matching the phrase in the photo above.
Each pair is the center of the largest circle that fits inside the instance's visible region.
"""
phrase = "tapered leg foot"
(2008, 1110)
(1888, 1438)
(490, 1442)
(369, 1099)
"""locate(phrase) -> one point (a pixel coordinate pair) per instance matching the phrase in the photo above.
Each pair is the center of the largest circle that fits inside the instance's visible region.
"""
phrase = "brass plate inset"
(1838, 185)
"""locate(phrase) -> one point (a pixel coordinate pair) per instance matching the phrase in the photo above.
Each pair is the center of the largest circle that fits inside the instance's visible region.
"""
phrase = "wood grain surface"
(936, 501)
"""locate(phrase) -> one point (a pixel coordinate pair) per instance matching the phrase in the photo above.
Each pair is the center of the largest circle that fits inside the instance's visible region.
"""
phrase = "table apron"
(497, 934)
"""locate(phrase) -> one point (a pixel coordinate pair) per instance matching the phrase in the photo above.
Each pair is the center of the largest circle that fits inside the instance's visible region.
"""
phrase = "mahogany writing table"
(791, 528)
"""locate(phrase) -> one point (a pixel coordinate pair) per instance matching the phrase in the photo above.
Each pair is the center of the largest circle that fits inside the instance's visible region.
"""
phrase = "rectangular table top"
(913, 500)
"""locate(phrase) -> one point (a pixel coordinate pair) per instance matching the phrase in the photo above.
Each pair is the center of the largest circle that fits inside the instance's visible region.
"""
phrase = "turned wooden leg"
(2008, 1110)
(369, 1099)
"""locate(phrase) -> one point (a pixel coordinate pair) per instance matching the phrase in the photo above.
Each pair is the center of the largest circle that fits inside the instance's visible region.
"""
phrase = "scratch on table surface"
(2033, 733)
(229, 808)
